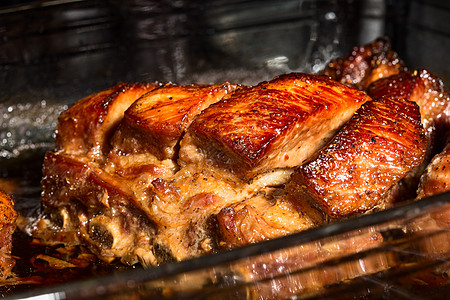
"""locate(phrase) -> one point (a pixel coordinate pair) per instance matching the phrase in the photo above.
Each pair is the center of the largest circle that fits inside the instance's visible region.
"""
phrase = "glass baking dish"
(53, 53)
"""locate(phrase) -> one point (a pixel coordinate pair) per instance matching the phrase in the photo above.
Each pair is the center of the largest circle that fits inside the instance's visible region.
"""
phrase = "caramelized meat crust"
(87, 126)
(436, 178)
(419, 86)
(8, 217)
(366, 64)
(276, 124)
(156, 122)
(381, 143)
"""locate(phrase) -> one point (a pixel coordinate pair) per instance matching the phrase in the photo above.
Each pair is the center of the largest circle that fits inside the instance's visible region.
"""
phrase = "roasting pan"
(53, 53)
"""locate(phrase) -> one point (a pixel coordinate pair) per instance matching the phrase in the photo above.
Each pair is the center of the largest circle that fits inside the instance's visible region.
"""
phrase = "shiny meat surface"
(436, 178)
(381, 143)
(144, 201)
(365, 64)
(85, 129)
(156, 122)
(419, 86)
(8, 217)
(276, 124)
(428, 92)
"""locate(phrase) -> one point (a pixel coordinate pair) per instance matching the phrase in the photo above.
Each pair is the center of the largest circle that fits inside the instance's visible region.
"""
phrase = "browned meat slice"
(428, 92)
(418, 86)
(381, 143)
(86, 127)
(366, 64)
(156, 122)
(436, 178)
(276, 124)
(8, 217)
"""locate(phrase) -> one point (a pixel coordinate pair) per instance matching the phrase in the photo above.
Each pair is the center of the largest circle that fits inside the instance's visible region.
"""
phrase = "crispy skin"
(8, 217)
(156, 122)
(381, 143)
(366, 64)
(86, 127)
(276, 124)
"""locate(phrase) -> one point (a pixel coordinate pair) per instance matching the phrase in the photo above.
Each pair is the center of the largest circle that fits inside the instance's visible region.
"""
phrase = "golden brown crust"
(156, 122)
(275, 124)
(366, 64)
(419, 86)
(86, 127)
(375, 149)
(436, 178)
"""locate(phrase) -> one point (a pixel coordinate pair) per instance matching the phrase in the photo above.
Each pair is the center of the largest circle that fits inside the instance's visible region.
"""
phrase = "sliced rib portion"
(8, 217)
(436, 178)
(156, 122)
(365, 64)
(419, 86)
(381, 143)
(86, 127)
(428, 92)
(276, 124)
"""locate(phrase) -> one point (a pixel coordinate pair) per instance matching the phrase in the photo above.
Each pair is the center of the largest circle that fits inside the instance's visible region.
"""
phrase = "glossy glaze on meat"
(421, 87)
(381, 143)
(157, 121)
(436, 178)
(276, 124)
(428, 92)
(86, 128)
(365, 64)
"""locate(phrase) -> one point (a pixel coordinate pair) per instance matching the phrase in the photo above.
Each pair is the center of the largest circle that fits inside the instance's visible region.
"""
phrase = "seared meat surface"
(428, 92)
(147, 186)
(366, 64)
(8, 217)
(381, 143)
(86, 128)
(156, 122)
(421, 87)
(276, 124)
(436, 178)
